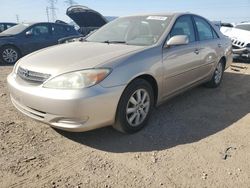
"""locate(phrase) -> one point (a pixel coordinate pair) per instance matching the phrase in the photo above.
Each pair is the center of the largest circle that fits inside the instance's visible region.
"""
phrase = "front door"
(181, 63)
(38, 37)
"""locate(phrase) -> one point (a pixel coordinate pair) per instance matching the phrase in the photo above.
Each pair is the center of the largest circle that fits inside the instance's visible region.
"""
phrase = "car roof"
(244, 23)
(7, 23)
(169, 14)
(33, 23)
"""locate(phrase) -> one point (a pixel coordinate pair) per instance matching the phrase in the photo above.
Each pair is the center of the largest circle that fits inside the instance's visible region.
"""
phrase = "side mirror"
(177, 40)
(28, 33)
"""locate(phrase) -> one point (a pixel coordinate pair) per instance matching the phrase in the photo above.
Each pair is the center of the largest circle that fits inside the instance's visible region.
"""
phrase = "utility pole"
(53, 9)
(47, 13)
(70, 2)
(17, 18)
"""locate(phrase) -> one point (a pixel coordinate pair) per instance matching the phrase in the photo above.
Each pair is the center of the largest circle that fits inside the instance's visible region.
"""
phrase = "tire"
(217, 76)
(10, 54)
(134, 107)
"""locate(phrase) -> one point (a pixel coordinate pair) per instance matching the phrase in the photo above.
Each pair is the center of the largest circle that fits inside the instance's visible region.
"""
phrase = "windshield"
(137, 30)
(16, 29)
(243, 26)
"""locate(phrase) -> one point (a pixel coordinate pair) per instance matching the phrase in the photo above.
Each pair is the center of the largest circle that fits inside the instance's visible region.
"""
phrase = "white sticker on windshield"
(162, 18)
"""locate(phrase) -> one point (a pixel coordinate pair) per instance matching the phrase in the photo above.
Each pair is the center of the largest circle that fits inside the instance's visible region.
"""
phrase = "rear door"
(181, 62)
(58, 32)
(209, 45)
(61, 31)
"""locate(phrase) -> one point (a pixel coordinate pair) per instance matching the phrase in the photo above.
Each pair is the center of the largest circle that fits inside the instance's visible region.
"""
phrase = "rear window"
(243, 27)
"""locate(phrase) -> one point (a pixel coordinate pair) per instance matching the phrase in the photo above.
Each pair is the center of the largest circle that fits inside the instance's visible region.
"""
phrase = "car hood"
(85, 17)
(237, 34)
(5, 35)
(75, 56)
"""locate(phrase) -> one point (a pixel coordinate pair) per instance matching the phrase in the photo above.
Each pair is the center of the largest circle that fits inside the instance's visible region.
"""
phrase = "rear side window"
(184, 26)
(62, 30)
(205, 30)
(215, 34)
(58, 29)
(70, 29)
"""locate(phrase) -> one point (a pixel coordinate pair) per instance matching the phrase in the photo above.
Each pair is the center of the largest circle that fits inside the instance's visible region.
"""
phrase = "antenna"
(70, 2)
(53, 9)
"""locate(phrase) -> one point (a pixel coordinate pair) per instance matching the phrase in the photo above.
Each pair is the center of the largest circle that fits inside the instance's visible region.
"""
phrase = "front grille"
(238, 43)
(32, 76)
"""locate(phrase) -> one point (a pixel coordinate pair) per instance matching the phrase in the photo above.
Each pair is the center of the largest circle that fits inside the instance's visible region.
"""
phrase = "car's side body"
(169, 70)
(173, 68)
(6, 25)
(44, 34)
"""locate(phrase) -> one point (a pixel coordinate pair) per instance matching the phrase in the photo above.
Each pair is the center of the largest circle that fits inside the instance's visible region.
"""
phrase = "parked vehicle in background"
(240, 36)
(127, 66)
(4, 26)
(220, 24)
(25, 38)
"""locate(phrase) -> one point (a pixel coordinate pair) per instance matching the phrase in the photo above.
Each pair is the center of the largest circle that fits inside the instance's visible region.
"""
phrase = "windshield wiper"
(114, 42)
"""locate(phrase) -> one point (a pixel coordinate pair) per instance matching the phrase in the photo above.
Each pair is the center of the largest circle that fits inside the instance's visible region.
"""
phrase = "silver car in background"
(120, 72)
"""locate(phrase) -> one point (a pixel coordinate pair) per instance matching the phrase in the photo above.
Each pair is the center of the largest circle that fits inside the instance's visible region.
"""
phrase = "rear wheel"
(217, 76)
(10, 54)
(135, 107)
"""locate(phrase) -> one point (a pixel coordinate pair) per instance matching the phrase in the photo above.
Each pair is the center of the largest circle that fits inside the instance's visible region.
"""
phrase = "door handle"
(219, 45)
(197, 51)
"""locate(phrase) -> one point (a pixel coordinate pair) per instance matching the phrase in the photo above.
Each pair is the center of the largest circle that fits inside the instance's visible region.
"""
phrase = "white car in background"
(240, 36)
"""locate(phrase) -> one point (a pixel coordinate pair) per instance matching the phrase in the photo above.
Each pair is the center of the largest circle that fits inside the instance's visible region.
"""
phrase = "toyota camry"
(119, 73)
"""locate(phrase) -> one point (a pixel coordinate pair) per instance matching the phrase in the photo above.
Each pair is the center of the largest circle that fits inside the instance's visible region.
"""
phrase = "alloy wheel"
(218, 73)
(10, 55)
(138, 107)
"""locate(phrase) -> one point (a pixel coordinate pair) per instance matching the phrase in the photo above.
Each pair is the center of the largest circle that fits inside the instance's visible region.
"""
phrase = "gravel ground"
(197, 139)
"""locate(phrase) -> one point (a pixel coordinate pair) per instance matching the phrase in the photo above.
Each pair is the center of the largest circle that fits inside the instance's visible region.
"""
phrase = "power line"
(70, 2)
(53, 9)
(47, 13)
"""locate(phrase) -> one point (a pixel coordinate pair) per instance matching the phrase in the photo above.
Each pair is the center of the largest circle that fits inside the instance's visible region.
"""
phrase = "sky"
(216, 10)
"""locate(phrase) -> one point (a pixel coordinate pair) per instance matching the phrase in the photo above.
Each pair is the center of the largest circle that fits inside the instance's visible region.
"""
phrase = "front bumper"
(245, 51)
(71, 110)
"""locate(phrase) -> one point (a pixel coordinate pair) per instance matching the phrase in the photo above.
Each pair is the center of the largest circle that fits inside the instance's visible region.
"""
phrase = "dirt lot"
(198, 139)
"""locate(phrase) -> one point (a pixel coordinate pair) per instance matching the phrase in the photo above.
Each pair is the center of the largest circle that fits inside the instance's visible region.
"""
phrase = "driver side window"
(184, 26)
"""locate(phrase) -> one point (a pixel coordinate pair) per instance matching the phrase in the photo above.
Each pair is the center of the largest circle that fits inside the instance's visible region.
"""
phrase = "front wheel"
(10, 54)
(134, 107)
(217, 76)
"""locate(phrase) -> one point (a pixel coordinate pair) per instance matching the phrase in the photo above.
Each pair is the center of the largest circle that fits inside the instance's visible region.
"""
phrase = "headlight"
(78, 80)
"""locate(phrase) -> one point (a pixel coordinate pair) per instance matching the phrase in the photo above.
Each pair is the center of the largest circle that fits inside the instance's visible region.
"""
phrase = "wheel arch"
(12, 45)
(152, 81)
(224, 61)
